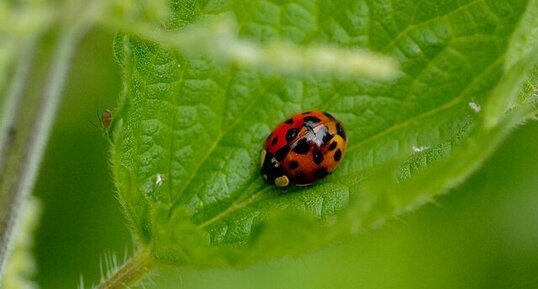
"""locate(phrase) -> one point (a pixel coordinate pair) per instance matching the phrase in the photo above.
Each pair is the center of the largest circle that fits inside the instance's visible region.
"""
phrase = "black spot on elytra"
(328, 115)
(338, 155)
(302, 147)
(294, 165)
(327, 137)
(274, 141)
(300, 178)
(333, 146)
(289, 121)
(320, 173)
(340, 131)
(311, 119)
(291, 134)
(318, 157)
(282, 153)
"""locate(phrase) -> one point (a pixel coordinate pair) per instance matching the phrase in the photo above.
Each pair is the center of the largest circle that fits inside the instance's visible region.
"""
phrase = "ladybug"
(303, 149)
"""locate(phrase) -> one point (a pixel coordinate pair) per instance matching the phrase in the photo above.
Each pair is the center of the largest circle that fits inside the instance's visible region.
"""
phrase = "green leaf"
(189, 131)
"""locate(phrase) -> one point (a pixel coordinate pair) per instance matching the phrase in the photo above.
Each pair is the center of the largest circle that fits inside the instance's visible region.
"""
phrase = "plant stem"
(130, 272)
(23, 154)
(13, 97)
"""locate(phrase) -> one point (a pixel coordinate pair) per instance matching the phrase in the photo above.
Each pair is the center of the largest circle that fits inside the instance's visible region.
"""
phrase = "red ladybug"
(303, 149)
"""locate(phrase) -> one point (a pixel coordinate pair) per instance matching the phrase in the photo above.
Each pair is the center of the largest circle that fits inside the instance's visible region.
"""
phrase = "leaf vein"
(235, 206)
(173, 128)
(215, 144)
(455, 101)
(410, 27)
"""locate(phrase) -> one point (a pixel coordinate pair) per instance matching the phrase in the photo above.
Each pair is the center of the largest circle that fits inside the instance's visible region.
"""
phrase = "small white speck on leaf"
(417, 149)
(475, 106)
(159, 180)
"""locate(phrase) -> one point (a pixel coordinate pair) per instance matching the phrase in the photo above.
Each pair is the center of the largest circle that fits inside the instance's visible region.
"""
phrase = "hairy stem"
(13, 97)
(23, 153)
(129, 273)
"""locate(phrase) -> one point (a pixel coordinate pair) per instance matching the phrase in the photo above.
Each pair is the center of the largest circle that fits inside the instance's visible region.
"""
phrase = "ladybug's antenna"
(99, 118)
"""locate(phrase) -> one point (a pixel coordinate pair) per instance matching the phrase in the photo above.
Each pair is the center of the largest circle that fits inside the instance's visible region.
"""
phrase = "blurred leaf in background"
(81, 220)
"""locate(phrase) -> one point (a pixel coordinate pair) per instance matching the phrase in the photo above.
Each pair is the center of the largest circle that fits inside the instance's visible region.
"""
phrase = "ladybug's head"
(271, 170)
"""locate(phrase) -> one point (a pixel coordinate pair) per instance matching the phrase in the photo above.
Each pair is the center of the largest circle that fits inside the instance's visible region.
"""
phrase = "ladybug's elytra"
(303, 149)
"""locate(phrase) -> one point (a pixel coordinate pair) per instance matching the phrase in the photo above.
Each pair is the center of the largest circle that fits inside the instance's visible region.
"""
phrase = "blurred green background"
(482, 235)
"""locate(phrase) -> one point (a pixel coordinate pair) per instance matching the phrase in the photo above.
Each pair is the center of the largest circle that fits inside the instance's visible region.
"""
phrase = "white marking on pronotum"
(159, 180)
(475, 106)
(419, 149)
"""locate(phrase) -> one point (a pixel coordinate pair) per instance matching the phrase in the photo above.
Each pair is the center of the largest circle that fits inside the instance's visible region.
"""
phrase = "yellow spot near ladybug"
(262, 157)
(282, 181)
